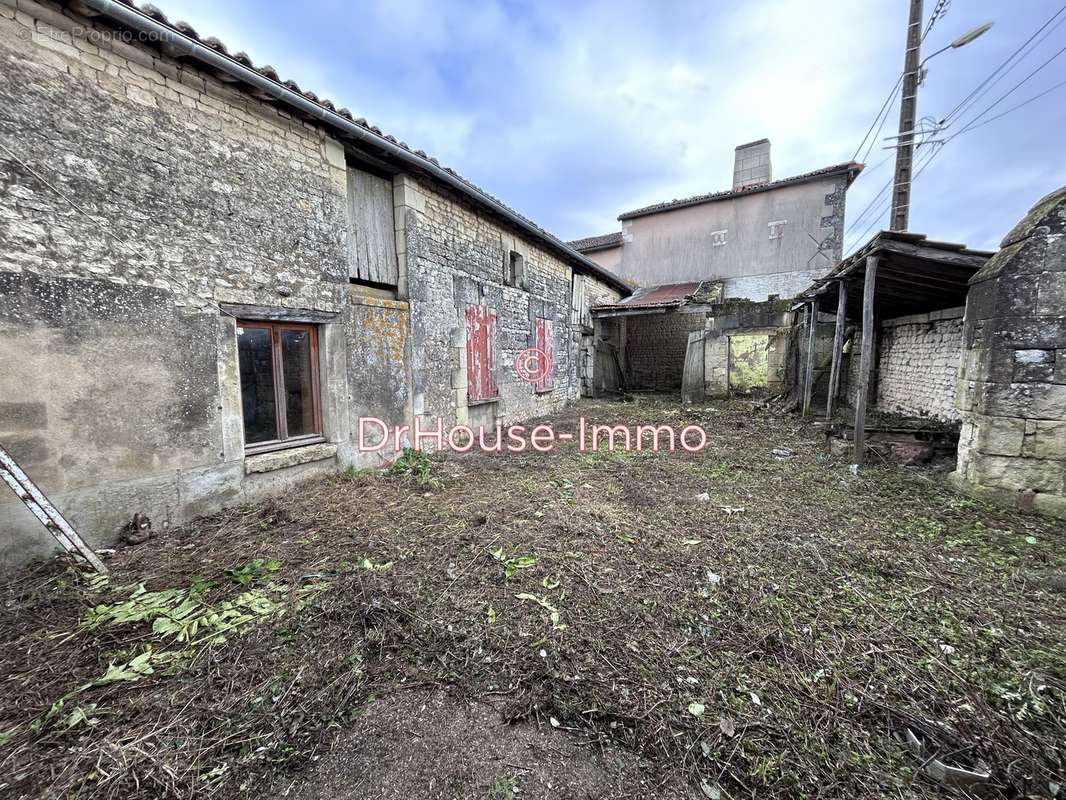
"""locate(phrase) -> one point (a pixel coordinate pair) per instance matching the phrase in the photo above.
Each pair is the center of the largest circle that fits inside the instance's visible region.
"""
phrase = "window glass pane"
(257, 384)
(296, 364)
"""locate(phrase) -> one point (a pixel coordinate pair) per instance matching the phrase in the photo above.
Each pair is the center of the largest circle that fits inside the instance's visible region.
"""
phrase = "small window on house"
(718, 238)
(279, 384)
(514, 270)
(777, 228)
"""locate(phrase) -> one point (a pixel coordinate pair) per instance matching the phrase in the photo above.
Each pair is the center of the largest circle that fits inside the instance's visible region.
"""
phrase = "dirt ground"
(732, 623)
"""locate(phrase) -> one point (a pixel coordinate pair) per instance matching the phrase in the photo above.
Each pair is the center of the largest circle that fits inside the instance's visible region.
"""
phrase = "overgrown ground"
(772, 640)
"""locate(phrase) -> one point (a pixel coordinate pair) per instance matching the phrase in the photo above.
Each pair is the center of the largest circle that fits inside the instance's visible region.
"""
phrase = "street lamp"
(965, 39)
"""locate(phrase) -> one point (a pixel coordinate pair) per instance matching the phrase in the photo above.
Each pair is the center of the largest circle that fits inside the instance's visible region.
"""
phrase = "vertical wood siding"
(545, 330)
(372, 237)
(480, 353)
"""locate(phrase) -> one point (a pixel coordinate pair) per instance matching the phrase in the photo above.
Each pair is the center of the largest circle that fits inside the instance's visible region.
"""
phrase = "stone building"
(208, 276)
(1012, 379)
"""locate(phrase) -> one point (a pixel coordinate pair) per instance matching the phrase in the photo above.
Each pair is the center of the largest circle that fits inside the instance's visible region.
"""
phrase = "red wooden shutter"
(546, 344)
(480, 354)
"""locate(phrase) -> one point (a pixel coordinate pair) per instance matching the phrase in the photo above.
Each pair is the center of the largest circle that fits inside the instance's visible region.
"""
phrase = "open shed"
(894, 276)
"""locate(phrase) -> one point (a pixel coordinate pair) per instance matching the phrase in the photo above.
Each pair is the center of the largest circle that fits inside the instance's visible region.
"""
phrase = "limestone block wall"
(1012, 382)
(117, 360)
(455, 256)
(146, 206)
(918, 363)
(655, 348)
(744, 318)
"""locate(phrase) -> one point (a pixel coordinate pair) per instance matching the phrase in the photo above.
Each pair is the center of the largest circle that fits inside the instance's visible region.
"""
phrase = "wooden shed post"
(866, 363)
(808, 378)
(838, 348)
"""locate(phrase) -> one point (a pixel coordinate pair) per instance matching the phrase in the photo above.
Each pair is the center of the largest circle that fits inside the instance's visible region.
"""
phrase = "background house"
(699, 265)
(761, 238)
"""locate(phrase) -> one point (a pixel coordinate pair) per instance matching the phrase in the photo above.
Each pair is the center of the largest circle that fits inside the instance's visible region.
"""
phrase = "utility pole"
(908, 118)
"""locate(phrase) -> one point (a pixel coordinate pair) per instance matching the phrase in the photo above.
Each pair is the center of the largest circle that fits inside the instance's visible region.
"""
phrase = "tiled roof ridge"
(846, 166)
(596, 242)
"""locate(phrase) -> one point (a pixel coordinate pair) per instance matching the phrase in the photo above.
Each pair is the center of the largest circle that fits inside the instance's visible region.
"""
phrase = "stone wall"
(918, 363)
(456, 257)
(147, 207)
(1012, 382)
(760, 288)
(732, 318)
(655, 348)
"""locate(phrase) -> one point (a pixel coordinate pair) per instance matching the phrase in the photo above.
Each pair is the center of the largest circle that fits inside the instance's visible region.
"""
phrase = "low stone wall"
(918, 362)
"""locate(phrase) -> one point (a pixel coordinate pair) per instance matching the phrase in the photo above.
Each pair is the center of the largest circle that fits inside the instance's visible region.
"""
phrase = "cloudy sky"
(572, 111)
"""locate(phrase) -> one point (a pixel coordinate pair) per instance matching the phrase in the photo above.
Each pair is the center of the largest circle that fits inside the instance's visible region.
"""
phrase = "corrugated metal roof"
(666, 295)
(851, 167)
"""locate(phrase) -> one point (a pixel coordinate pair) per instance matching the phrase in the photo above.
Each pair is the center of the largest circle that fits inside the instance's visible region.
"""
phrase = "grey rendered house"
(722, 263)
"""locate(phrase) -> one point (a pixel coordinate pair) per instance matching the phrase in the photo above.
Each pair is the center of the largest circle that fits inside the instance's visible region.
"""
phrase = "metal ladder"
(42, 508)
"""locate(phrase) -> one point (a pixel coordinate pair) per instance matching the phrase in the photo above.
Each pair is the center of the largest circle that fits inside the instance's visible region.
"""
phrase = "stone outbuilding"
(1012, 379)
(209, 275)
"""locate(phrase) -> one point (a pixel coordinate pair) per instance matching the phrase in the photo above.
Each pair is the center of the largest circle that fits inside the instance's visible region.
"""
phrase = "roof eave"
(136, 19)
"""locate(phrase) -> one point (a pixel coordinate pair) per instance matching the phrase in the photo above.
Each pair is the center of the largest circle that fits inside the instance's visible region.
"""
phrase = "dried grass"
(776, 651)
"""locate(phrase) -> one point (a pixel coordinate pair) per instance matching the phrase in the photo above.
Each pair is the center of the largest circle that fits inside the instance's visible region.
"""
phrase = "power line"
(1012, 90)
(882, 112)
(939, 10)
(1007, 71)
(991, 79)
(882, 206)
(971, 126)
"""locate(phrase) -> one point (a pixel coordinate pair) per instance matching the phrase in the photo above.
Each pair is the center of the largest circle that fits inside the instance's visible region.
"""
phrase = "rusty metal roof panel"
(665, 296)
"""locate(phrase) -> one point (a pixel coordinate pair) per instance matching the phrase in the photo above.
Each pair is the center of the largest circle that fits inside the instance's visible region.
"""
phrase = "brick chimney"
(751, 166)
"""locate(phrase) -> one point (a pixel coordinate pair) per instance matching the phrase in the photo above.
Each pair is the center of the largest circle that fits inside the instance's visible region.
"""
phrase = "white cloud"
(574, 112)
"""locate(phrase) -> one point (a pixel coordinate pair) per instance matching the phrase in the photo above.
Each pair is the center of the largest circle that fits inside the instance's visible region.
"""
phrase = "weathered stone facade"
(738, 318)
(147, 206)
(1012, 382)
(918, 364)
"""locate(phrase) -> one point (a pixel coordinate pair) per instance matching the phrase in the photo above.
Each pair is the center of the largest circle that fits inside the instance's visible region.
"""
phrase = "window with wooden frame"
(514, 270)
(279, 384)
